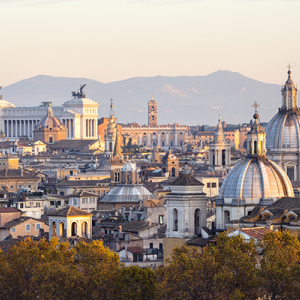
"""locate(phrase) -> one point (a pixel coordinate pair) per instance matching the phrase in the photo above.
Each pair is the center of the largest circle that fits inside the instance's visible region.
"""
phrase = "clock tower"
(152, 113)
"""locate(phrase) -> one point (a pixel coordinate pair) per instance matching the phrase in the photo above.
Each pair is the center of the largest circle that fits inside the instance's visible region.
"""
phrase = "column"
(140, 140)
(175, 133)
(148, 143)
(167, 138)
(86, 128)
(158, 139)
(69, 128)
(90, 128)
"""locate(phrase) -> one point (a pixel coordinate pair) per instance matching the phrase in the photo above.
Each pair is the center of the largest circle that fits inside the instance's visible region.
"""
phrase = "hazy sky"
(117, 39)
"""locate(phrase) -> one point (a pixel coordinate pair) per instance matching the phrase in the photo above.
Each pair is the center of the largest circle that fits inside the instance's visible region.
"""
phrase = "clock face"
(152, 113)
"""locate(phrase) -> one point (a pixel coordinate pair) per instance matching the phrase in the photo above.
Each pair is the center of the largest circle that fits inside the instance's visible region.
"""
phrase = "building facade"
(79, 116)
(152, 135)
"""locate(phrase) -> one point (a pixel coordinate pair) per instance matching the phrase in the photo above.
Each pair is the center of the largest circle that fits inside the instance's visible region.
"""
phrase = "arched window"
(74, 229)
(152, 118)
(223, 157)
(53, 228)
(152, 108)
(84, 229)
(197, 221)
(255, 147)
(61, 229)
(117, 176)
(226, 216)
(175, 220)
(173, 172)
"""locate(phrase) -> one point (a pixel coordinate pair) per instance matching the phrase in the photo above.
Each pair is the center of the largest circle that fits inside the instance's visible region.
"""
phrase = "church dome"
(128, 193)
(129, 167)
(283, 130)
(49, 120)
(256, 177)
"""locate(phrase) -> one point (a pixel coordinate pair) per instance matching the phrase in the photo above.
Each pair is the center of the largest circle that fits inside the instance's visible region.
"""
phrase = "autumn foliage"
(231, 268)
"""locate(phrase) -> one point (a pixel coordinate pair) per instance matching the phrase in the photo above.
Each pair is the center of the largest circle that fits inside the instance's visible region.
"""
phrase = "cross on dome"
(255, 105)
(111, 112)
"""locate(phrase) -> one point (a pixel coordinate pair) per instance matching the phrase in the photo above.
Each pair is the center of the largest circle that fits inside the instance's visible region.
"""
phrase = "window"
(61, 193)
(21, 205)
(58, 202)
(27, 227)
(162, 143)
(13, 229)
(163, 133)
(151, 245)
(171, 143)
(50, 139)
(175, 219)
(74, 201)
(110, 147)
(11, 187)
(161, 246)
(92, 200)
(213, 185)
(208, 184)
(181, 144)
(38, 204)
(37, 226)
(84, 201)
(152, 118)
(290, 172)
(52, 203)
(180, 133)
(161, 220)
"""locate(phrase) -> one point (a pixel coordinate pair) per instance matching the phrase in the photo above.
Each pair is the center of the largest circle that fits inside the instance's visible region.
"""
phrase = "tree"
(226, 270)
(280, 266)
(99, 270)
(137, 283)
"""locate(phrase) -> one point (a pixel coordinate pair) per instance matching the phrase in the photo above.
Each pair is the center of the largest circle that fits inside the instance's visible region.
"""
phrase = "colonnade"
(90, 128)
(17, 128)
(69, 126)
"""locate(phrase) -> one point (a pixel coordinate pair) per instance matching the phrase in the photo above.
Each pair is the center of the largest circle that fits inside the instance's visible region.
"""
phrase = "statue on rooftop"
(79, 94)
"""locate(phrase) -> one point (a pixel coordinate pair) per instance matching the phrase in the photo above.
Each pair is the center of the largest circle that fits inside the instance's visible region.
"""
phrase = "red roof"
(256, 232)
(8, 209)
(136, 250)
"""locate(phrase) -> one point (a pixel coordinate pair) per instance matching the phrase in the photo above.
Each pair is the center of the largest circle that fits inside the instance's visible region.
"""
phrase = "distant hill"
(187, 100)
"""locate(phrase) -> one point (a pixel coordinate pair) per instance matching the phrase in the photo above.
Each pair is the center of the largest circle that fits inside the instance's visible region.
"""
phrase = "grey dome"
(283, 130)
(50, 120)
(128, 193)
(256, 178)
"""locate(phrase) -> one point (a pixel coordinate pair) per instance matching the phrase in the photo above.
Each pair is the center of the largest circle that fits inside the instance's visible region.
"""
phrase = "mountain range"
(189, 100)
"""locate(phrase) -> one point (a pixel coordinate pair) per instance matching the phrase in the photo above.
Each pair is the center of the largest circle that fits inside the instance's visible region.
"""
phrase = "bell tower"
(152, 113)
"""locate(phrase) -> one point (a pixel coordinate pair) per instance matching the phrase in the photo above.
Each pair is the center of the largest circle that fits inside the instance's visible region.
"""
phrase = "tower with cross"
(219, 150)
(152, 113)
(289, 93)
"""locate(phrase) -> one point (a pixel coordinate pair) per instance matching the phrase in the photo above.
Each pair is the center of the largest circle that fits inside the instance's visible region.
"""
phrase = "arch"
(226, 216)
(117, 176)
(197, 221)
(84, 228)
(255, 147)
(175, 219)
(223, 157)
(53, 228)
(61, 229)
(74, 229)
(173, 172)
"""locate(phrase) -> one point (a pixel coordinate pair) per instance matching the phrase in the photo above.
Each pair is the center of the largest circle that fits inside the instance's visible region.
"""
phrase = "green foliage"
(230, 268)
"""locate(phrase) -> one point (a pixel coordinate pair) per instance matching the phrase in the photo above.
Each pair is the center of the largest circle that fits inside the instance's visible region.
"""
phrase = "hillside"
(187, 100)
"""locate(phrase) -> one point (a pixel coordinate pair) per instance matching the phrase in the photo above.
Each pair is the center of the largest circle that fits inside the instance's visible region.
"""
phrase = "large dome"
(256, 178)
(283, 131)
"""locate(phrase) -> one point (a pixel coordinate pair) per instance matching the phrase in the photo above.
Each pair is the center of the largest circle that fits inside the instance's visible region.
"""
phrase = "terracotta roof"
(186, 180)
(256, 232)
(136, 226)
(83, 194)
(69, 211)
(83, 182)
(199, 241)
(18, 221)
(9, 210)
(136, 249)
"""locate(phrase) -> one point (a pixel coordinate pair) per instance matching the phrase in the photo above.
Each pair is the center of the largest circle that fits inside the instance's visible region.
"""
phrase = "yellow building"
(211, 186)
(9, 162)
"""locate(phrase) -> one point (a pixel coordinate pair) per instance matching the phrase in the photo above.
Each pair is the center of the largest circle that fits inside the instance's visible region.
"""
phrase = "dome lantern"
(289, 94)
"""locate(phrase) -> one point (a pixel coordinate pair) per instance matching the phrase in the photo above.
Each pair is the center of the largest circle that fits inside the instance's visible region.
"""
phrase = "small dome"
(50, 120)
(128, 193)
(256, 178)
(129, 166)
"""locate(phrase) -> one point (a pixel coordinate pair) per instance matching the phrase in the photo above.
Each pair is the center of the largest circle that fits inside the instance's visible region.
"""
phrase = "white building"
(79, 116)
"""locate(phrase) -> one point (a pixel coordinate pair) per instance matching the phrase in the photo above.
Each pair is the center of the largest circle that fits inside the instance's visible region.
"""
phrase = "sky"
(117, 39)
